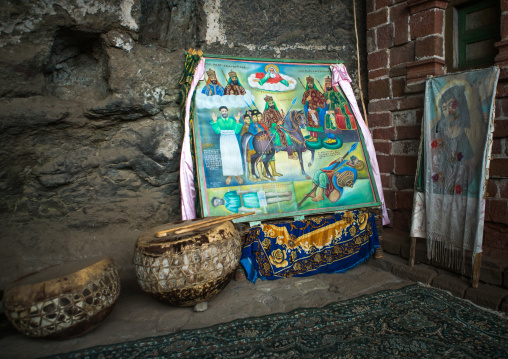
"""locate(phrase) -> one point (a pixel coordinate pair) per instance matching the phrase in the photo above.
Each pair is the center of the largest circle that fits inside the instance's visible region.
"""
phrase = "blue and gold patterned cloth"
(325, 244)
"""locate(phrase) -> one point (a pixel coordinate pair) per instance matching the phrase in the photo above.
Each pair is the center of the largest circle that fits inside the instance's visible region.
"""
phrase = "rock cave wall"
(89, 120)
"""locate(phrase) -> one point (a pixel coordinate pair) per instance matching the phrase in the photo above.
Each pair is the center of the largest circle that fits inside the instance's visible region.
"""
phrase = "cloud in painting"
(279, 87)
(229, 101)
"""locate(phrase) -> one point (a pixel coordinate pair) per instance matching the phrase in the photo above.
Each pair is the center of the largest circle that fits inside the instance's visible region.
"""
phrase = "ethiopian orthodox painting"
(278, 139)
(449, 201)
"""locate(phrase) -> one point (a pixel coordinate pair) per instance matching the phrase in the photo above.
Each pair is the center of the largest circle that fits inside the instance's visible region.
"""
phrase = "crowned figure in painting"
(271, 76)
(338, 115)
(314, 104)
(273, 121)
(212, 87)
(234, 86)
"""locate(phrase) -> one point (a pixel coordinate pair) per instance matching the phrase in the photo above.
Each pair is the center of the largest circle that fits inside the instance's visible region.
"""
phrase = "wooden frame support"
(476, 269)
(412, 252)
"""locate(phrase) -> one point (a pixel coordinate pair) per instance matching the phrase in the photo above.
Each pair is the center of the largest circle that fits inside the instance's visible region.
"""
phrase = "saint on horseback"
(280, 133)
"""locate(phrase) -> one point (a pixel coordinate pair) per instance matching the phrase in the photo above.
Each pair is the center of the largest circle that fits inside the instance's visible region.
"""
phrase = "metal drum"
(185, 269)
(63, 301)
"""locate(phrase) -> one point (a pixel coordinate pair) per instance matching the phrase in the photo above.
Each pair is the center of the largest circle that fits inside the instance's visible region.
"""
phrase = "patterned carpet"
(412, 322)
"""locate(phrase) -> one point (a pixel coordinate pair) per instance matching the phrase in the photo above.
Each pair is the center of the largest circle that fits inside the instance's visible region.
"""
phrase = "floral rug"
(412, 322)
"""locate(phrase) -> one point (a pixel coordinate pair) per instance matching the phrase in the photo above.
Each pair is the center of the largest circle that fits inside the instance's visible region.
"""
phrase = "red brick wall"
(405, 44)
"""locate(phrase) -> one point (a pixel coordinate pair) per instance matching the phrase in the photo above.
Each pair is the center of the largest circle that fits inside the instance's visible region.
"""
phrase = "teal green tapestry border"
(227, 57)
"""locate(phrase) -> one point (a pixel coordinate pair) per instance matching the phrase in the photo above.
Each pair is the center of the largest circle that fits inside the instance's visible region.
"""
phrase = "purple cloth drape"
(340, 77)
(188, 192)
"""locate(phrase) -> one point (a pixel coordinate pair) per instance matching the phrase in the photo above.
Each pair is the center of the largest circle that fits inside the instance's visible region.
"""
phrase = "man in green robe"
(228, 127)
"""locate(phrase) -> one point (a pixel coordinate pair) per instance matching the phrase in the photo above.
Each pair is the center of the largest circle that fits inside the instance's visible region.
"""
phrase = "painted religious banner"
(455, 151)
(278, 138)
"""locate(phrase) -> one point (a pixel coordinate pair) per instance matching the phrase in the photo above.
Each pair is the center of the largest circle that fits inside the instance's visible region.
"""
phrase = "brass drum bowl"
(184, 270)
(63, 301)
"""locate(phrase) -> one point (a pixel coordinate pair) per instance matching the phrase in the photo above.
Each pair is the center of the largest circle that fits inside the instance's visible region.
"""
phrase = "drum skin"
(186, 270)
(63, 301)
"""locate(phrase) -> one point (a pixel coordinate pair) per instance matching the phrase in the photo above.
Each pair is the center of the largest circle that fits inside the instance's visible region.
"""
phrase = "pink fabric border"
(187, 189)
(340, 77)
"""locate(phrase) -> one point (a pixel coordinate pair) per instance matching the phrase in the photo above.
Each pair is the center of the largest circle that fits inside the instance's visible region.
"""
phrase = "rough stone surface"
(89, 120)
(201, 307)
(487, 295)
(418, 273)
(387, 262)
(451, 283)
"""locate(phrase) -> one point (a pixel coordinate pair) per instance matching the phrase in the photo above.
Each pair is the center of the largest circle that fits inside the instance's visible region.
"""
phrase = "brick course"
(383, 3)
(401, 31)
(383, 119)
(428, 47)
(379, 89)
(385, 36)
(378, 60)
(498, 210)
(377, 18)
(405, 165)
(398, 85)
(385, 133)
(382, 105)
(402, 54)
(404, 182)
(426, 23)
(501, 128)
(499, 167)
(383, 147)
(405, 44)
(374, 74)
(386, 163)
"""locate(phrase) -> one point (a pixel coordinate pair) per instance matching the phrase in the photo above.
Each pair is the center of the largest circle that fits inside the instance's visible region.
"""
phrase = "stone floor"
(136, 315)
(492, 291)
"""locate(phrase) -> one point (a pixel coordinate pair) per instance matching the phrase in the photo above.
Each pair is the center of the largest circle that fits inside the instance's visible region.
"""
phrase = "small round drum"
(185, 269)
(63, 301)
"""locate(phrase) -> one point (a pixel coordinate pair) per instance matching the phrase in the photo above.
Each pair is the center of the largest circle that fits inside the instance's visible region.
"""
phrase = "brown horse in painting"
(264, 146)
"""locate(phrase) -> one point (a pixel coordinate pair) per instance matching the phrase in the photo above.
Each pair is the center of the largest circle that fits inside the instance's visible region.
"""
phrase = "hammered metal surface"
(70, 313)
(189, 276)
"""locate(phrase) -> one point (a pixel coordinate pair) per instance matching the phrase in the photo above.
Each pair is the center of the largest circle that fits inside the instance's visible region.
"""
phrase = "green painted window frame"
(490, 31)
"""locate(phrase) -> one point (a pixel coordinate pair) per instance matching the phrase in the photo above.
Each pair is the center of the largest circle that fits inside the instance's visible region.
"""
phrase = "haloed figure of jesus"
(228, 127)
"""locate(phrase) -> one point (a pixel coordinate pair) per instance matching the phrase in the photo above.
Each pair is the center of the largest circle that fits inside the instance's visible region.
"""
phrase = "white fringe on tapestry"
(457, 129)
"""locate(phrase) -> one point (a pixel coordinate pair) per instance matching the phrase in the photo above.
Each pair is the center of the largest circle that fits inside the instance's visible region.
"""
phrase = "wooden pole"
(204, 223)
(476, 269)
(412, 252)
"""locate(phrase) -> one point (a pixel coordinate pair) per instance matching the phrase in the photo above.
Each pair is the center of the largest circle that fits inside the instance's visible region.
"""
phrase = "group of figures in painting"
(250, 140)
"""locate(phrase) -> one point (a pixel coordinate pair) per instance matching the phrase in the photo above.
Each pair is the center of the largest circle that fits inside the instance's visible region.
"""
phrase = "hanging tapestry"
(325, 244)
(278, 138)
(449, 204)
